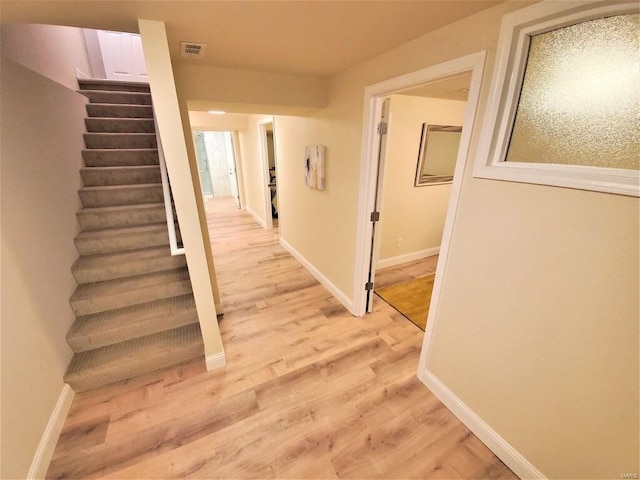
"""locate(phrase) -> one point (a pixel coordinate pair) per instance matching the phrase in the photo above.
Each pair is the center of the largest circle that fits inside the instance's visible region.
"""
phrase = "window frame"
(516, 31)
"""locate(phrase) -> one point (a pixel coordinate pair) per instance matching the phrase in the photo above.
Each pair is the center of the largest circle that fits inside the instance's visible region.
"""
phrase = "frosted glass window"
(580, 98)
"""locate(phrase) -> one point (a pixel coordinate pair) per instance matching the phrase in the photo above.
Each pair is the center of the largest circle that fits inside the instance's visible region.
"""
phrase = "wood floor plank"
(309, 391)
(121, 449)
(406, 271)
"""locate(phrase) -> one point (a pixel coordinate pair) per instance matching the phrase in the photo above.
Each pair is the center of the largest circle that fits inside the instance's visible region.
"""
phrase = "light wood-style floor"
(406, 271)
(309, 391)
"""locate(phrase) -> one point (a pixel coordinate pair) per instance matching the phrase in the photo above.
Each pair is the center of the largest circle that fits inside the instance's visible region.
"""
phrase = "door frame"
(381, 149)
(264, 161)
(235, 143)
(373, 97)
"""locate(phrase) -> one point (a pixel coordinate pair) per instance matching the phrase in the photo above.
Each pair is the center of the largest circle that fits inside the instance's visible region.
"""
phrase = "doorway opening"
(422, 141)
(215, 152)
(373, 167)
(269, 169)
(121, 53)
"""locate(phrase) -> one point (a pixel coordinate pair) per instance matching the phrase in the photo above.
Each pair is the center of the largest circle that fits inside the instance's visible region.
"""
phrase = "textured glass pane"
(580, 99)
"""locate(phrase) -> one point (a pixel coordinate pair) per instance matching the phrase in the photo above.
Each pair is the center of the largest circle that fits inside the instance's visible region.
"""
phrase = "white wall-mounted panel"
(122, 56)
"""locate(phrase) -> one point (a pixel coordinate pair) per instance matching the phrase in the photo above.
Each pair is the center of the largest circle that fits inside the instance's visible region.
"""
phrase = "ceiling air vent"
(192, 50)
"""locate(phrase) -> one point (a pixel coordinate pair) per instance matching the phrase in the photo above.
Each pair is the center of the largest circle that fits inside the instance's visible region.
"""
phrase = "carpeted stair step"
(117, 97)
(120, 140)
(134, 305)
(109, 266)
(120, 157)
(121, 361)
(109, 176)
(112, 240)
(121, 216)
(99, 330)
(125, 292)
(112, 196)
(113, 85)
(120, 125)
(119, 111)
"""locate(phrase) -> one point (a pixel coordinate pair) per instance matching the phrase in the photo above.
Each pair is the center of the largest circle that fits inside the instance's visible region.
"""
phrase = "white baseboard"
(257, 218)
(81, 75)
(219, 309)
(335, 291)
(407, 257)
(47, 445)
(498, 445)
(217, 360)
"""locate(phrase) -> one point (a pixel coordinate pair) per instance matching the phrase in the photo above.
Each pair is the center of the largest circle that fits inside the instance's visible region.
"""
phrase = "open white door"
(375, 215)
(233, 173)
(122, 56)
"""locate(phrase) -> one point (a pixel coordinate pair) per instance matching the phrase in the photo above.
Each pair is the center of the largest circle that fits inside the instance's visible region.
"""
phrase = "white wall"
(537, 332)
(94, 53)
(255, 90)
(49, 50)
(252, 168)
(172, 123)
(207, 121)
(41, 127)
(537, 329)
(413, 214)
(319, 223)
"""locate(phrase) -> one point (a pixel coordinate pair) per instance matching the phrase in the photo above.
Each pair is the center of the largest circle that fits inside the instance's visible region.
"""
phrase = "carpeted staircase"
(134, 307)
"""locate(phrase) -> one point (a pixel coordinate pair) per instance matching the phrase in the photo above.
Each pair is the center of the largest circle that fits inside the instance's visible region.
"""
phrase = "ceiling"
(300, 37)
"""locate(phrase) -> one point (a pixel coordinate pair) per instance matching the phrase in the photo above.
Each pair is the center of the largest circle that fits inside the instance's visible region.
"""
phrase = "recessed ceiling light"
(216, 112)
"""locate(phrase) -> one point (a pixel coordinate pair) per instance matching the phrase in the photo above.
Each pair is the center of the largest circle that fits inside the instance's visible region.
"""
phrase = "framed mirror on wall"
(437, 154)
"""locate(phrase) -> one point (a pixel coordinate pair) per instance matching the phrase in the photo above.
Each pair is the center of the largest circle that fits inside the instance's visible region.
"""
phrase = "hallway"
(309, 391)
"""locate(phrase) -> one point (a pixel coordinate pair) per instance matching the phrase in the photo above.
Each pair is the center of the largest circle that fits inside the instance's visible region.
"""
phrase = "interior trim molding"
(498, 445)
(407, 257)
(256, 216)
(81, 75)
(51, 433)
(373, 97)
(328, 284)
(264, 165)
(215, 361)
(516, 31)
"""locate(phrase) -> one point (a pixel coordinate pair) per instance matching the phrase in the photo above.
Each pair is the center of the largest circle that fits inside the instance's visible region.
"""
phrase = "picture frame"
(437, 154)
(314, 167)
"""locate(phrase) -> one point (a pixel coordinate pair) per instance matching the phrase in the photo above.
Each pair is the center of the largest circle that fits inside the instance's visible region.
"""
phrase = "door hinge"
(375, 216)
(382, 128)
(368, 286)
